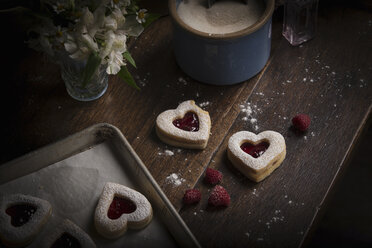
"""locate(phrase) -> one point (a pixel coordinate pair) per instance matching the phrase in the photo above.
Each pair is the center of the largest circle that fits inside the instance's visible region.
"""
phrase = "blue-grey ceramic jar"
(222, 59)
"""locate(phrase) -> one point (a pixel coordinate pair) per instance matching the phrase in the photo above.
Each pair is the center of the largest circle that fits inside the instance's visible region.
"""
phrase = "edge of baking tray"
(81, 141)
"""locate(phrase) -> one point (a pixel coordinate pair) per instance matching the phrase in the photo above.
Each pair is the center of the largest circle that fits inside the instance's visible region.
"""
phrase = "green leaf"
(90, 68)
(150, 18)
(127, 77)
(131, 26)
(129, 58)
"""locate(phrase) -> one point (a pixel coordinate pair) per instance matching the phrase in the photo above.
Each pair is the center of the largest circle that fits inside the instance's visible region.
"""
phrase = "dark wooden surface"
(327, 78)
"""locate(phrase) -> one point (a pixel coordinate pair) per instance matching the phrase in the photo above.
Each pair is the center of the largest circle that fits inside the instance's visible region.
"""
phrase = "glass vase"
(72, 73)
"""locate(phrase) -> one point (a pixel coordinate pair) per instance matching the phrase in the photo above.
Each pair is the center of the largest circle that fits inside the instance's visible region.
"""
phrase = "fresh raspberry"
(212, 176)
(219, 197)
(301, 122)
(192, 196)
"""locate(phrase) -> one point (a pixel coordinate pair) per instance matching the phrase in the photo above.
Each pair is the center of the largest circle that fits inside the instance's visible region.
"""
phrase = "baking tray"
(71, 173)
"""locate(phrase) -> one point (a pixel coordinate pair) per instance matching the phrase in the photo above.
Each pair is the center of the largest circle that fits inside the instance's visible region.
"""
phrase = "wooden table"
(327, 78)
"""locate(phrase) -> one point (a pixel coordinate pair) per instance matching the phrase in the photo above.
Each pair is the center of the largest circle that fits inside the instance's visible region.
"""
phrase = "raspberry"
(219, 197)
(192, 196)
(301, 122)
(212, 176)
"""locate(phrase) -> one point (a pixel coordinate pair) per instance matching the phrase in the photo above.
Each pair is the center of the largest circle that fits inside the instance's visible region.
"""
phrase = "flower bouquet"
(88, 38)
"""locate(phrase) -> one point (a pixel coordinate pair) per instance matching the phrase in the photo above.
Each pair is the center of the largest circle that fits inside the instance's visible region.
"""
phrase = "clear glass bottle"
(300, 20)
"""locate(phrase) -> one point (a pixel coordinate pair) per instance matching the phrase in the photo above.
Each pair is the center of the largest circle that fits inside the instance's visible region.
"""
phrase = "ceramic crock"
(222, 59)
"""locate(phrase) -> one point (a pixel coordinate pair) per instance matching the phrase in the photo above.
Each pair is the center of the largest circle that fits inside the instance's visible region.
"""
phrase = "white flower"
(81, 42)
(58, 7)
(89, 42)
(110, 23)
(91, 22)
(119, 43)
(49, 38)
(141, 15)
(118, 15)
(112, 52)
(103, 32)
(70, 45)
(109, 40)
(75, 48)
(87, 17)
(59, 34)
(115, 61)
(115, 20)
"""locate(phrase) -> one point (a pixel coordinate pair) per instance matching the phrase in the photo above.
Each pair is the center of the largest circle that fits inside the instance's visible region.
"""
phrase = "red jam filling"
(190, 122)
(120, 206)
(66, 241)
(20, 214)
(255, 150)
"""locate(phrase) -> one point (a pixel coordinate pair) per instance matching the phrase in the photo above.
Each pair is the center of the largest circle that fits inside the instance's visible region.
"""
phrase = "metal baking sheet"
(71, 173)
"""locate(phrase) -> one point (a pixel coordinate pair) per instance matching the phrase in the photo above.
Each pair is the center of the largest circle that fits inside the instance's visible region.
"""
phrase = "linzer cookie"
(256, 156)
(186, 126)
(21, 218)
(67, 234)
(120, 208)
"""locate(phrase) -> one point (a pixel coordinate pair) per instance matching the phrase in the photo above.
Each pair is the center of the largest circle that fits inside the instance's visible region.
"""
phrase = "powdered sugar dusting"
(182, 80)
(249, 112)
(204, 104)
(166, 153)
(142, 81)
(169, 153)
(174, 179)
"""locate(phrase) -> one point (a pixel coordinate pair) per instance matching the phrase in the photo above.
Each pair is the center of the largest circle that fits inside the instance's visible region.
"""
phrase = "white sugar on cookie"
(119, 208)
(67, 234)
(21, 218)
(256, 156)
(187, 126)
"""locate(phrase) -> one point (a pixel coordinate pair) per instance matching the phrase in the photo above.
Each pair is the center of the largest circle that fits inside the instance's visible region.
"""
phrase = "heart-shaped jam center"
(120, 206)
(20, 214)
(66, 240)
(255, 150)
(190, 122)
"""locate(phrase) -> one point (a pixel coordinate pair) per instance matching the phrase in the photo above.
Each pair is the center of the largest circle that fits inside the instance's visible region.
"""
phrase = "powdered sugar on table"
(174, 179)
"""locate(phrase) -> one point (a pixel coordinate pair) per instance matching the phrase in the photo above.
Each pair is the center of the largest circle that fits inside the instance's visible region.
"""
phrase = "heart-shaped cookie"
(256, 156)
(67, 234)
(21, 218)
(186, 126)
(119, 208)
